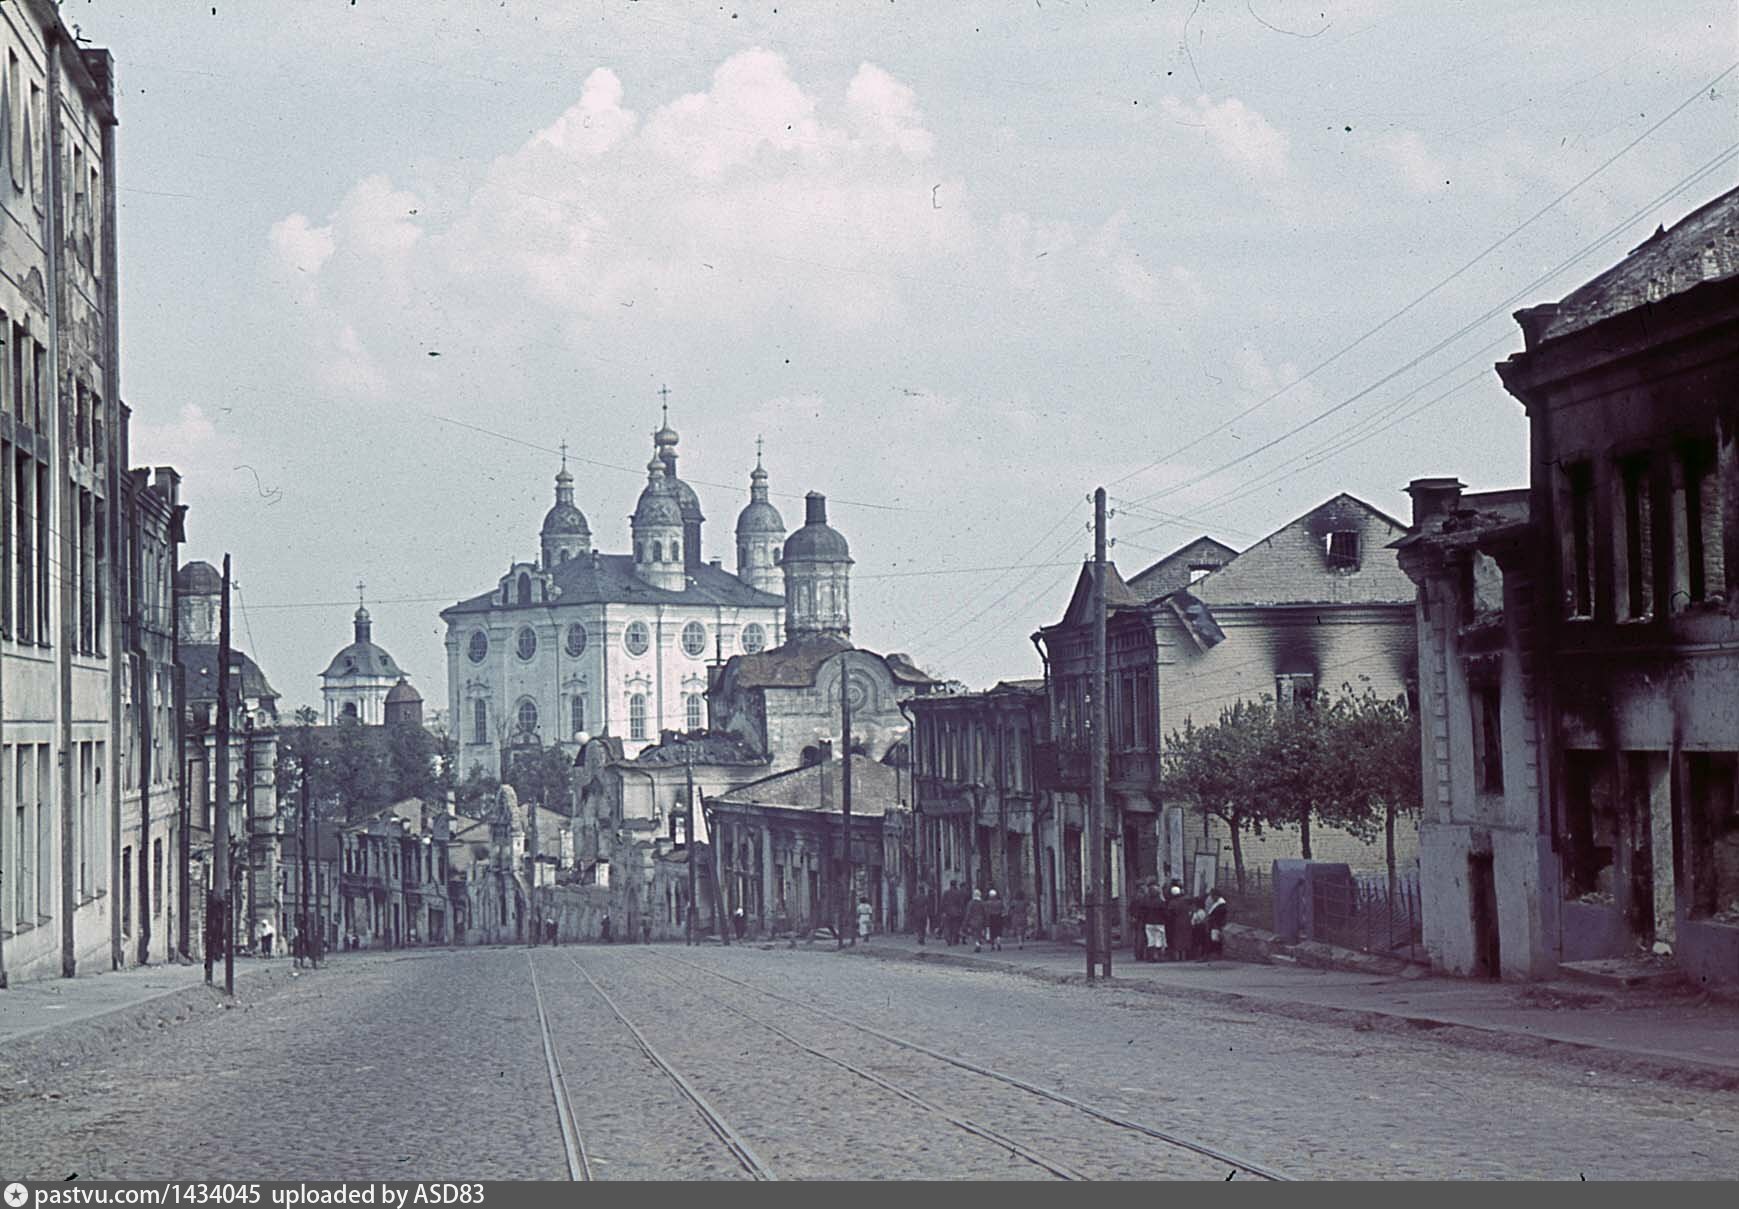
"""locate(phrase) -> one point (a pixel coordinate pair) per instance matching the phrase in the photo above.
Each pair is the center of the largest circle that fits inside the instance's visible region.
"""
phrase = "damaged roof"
(1703, 246)
(875, 788)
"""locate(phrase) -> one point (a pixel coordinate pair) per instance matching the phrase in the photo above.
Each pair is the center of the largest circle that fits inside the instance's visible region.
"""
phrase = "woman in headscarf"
(1217, 910)
(995, 915)
(1177, 922)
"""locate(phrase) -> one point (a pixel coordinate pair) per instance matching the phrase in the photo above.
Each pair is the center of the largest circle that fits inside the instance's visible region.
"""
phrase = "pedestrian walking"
(921, 911)
(973, 920)
(266, 937)
(782, 925)
(739, 922)
(953, 911)
(995, 918)
(865, 913)
(1020, 918)
(1153, 927)
(604, 929)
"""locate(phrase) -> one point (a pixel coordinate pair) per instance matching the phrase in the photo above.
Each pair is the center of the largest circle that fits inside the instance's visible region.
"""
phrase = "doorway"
(1482, 888)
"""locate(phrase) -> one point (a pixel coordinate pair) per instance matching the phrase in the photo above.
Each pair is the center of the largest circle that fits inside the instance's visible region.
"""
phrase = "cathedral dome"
(565, 519)
(658, 502)
(817, 541)
(363, 657)
(759, 516)
(199, 579)
(686, 499)
(402, 693)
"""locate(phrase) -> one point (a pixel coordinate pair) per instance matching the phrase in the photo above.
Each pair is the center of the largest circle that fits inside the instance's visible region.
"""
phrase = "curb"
(1679, 1072)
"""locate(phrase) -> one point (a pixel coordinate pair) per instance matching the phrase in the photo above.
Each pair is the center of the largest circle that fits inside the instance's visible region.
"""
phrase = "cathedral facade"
(583, 642)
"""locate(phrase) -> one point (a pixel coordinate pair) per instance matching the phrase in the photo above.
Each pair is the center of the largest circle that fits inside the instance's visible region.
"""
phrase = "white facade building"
(356, 683)
(607, 644)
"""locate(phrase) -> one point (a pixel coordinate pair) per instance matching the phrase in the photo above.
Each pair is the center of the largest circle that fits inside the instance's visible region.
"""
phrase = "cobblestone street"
(363, 1070)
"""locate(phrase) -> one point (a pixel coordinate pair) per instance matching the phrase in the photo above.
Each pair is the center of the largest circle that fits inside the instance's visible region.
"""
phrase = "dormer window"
(1200, 572)
(1343, 549)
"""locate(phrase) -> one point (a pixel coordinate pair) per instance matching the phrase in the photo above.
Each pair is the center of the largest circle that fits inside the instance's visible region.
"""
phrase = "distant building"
(404, 705)
(1581, 650)
(609, 644)
(356, 684)
(253, 753)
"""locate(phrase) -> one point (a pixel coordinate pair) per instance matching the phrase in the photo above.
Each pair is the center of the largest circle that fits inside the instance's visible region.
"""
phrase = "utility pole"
(143, 683)
(688, 840)
(249, 881)
(1098, 919)
(217, 904)
(305, 929)
(845, 792)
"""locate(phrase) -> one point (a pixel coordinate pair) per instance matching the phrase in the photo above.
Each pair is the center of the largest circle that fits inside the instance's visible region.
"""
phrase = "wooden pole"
(1098, 919)
(845, 794)
(218, 892)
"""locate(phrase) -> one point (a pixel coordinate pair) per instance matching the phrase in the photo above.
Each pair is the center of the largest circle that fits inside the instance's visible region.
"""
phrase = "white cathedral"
(619, 644)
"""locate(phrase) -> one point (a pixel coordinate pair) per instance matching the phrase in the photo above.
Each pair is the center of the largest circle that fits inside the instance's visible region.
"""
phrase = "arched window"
(350, 709)
(525, 642)
(637, 716)
(691, 704)
(578, 710)
(480, 721)
(675, 552)
(576, 641)
(524, 588)
(657, 552)
(526, 716)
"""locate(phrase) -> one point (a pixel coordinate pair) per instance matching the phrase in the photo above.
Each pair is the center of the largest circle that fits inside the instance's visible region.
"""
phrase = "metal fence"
(1361, 914)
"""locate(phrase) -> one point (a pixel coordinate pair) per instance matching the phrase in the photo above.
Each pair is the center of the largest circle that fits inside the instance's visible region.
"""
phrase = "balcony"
(1065, 767)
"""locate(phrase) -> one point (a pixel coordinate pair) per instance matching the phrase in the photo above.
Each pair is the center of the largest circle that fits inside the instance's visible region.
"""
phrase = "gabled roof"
(1293, 565)
(1702, 246)
(610, 579)
(875, 788)
(1173, 571)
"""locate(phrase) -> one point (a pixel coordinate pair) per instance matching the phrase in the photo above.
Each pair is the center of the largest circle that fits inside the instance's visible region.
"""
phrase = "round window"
(636, 638)
(754, 638)
(525, 642)
(576, 640)
(694, 639)
(479, 649)
(527, 716)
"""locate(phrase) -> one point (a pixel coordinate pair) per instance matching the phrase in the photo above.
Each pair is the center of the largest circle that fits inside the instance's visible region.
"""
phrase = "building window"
(1488, 749)
(675, 552)
(1704, 573)
(1579, 542)
(636, 639)
(693, 718)
(478, 649)
(1638, 537)
(577, 712)
(576, 640)
(526, 716)
(1200, 572)
(525, 643)
(637, 716)
(350, 709)
(694, 639)
(753, 638)
(479, 721)
(524, 588)
(1295, 689)
(1591, 823)
(657, 552)
(1343, 549)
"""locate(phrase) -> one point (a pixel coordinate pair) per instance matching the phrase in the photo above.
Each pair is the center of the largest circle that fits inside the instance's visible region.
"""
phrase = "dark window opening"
(1295, 689)
(1638, 537)
(1705, 569)
(1580, 593)
(1488, 748)
(1343, 549)
(524, 588)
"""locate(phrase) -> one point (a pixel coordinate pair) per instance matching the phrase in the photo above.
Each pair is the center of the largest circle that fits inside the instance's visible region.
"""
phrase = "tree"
(541, 775)
(1373, 748)
(1215, 766)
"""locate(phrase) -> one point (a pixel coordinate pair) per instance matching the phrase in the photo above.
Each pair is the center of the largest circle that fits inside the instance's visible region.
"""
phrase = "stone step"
(1623, 973)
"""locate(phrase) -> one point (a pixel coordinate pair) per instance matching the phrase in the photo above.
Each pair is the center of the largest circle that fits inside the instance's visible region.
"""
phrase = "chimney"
(1433, 499)
(815, 508)
(825, 748)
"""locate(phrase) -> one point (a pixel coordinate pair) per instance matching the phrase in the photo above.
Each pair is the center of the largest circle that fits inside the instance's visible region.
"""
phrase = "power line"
(1490, 248)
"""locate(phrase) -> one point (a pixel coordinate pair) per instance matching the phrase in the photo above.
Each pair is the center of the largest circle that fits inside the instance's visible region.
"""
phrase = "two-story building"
(1580, 654)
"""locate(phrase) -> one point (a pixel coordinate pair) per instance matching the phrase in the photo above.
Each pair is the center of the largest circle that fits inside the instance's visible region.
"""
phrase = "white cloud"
(192, 444)
(1239, 133)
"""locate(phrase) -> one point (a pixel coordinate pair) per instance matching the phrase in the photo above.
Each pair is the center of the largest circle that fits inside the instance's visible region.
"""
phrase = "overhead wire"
(1439, 285)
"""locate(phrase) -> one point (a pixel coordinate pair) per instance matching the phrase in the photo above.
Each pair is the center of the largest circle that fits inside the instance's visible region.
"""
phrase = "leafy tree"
(1214, 767)
(541, 775)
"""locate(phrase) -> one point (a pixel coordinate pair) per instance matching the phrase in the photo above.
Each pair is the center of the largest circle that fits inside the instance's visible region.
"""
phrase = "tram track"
(1170, 1137)
(741, 1152)
(573, 1145)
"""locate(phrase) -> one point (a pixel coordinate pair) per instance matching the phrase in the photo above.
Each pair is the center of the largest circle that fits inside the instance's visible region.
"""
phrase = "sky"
(957, 264)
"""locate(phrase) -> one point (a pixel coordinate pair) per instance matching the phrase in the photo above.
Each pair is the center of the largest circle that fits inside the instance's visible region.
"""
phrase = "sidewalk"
(29, 1009)
(1671, 1035)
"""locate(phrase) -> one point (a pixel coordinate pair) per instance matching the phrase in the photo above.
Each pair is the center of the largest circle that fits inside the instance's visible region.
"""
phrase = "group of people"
(1170, 925)
(983, 916)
